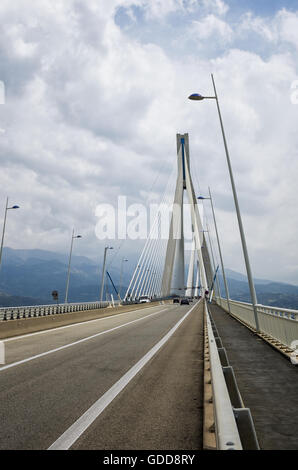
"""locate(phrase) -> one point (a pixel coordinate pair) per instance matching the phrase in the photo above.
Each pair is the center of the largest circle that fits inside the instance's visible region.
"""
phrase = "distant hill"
(276, 294)
(11, 256)
(241, 277)
(16, 301)
(28, 276)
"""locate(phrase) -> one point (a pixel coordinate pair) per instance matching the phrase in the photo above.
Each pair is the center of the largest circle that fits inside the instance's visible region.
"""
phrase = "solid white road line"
(72, 434)
(52, 330)
(46, 353)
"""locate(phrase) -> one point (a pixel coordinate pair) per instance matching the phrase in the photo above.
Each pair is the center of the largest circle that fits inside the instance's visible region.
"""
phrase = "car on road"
(176, 301)
(144, 299)
(184, 302)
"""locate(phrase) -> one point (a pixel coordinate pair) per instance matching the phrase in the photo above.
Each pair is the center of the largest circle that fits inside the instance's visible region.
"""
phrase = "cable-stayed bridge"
(160, 271)
(187, 369)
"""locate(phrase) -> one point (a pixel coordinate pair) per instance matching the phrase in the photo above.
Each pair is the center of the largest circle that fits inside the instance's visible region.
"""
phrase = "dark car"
(184, 302)
(176, 301)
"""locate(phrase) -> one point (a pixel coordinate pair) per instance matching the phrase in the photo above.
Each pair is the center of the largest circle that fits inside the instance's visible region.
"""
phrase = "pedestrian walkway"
(267, 381)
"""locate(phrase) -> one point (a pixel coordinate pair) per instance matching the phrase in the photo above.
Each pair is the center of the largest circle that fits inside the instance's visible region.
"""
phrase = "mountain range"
(28, 277)
(275, 294)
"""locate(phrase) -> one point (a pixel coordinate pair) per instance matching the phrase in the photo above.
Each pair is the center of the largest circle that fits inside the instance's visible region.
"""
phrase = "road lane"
(40, 399)
(20, 348)
(162, 407)
(72, 434)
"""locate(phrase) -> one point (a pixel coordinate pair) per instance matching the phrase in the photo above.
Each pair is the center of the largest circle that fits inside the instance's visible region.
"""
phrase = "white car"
(144, 299)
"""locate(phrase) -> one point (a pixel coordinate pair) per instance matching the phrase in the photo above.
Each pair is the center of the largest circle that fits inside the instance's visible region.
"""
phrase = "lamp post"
(198, 97)
(104, 270)
(69, 261)
(4, 225)
(219, 249)
(124, 260)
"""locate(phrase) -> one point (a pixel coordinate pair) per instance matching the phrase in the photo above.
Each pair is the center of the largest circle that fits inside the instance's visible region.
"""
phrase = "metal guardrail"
(234, 427)
(279, 323)
(16, 313)
(227, 435)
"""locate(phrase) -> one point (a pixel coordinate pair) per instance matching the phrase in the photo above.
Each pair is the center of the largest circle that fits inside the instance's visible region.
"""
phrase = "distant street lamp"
(104, 271)
(219, 249)
(68, 272)
(124, 260)
(4, 225)
(198, 97)
(212, 256)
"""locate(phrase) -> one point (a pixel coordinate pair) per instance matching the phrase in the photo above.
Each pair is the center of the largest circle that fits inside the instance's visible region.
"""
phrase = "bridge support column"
(173, 275)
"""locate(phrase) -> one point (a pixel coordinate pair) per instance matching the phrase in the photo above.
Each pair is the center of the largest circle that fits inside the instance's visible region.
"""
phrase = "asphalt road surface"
(130, 381)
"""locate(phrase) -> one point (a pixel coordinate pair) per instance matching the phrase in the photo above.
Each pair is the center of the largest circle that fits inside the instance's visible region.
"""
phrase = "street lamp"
(219, 249)
(104, 270)
(124, 260)
(4, 225)
(68, 272)
(198, 97)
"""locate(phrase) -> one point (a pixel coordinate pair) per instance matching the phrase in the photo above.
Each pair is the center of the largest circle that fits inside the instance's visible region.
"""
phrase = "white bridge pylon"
(174, 268)
(160, 271)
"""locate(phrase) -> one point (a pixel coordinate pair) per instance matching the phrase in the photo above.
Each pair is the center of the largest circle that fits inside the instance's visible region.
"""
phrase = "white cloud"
(160, 9)
(212, 27)
(92, 112)
(288, 26)
(257, 25)
(217, 6)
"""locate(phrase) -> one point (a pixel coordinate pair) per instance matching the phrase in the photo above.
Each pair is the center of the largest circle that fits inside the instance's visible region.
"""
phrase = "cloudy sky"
(96, 91)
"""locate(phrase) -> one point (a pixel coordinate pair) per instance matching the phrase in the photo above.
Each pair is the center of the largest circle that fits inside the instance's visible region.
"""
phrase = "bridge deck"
(52, 378)
(267, 381)
(162, 408)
